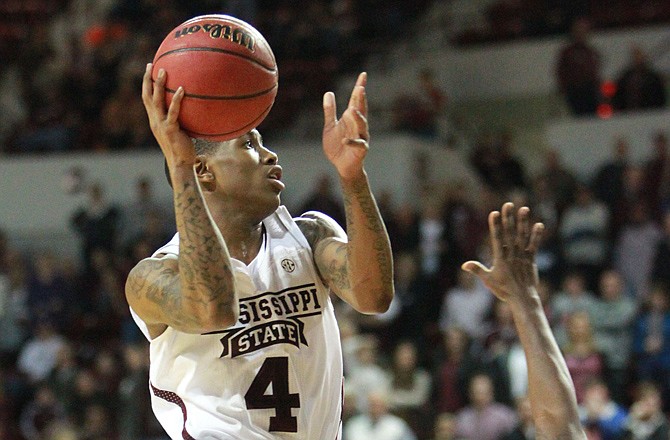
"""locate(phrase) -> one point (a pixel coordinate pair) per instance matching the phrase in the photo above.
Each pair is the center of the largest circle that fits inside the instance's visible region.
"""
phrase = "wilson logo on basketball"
(236, 35)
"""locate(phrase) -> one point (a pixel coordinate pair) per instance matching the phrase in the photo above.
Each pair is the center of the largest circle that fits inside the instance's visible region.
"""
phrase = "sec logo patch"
(288, 265)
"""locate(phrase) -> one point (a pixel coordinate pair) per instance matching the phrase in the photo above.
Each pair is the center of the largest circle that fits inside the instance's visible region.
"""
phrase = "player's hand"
(345, 141)
(513, 276)
(175, 143)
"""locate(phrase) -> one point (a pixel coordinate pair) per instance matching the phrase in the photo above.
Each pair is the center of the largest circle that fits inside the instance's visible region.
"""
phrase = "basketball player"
(513, 278)
(244, 342)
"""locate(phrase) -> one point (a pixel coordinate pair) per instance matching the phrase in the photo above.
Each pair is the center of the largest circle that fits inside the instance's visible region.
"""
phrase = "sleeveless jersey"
(276, 374)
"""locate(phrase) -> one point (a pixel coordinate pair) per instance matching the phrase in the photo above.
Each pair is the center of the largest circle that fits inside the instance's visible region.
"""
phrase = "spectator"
(661, 269)
(656, 176)
(646, 420)
(96, 224)
(484, 418)
(572, 298)
(584, 361)
(366, 375)
(639, 86)
(146, 217)
(40, 413)
(50, 297)
(651, 340)
(561, 182)
(444, 427)
(578, 70)
(467, 306)
(612, 317)
(377, 423)
(584, 231)
(39, 355)
(601, 416)
(635, 248)
(453, 371)
(410, 387)
(608, 181)
(14, 314)
(419, 113)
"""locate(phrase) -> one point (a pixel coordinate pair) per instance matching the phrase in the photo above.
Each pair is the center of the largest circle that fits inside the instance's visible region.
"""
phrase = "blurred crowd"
(444, 362)
(71, 72)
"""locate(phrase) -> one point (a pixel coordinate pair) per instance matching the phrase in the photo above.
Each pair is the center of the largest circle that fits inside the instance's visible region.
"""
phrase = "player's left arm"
(358, 268)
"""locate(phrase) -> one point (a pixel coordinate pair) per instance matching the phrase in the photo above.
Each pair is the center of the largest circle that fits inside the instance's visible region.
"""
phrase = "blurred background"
(559, 105)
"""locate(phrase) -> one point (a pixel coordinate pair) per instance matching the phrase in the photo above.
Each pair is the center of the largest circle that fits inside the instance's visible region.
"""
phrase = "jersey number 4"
(274, 371)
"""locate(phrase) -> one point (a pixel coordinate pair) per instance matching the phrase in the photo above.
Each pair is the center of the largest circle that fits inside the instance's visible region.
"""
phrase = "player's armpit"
(153, 291)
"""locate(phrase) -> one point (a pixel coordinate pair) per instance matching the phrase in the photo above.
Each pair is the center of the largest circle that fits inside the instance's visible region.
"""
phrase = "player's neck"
(243, 237)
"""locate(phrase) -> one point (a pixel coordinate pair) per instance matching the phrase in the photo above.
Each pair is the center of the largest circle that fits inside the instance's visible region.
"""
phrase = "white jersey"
(275, 374)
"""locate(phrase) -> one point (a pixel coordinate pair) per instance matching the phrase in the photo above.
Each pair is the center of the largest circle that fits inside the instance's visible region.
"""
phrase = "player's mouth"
(275, 177)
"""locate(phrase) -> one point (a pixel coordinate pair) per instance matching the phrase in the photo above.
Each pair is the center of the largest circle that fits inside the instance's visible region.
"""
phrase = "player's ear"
(204, 174)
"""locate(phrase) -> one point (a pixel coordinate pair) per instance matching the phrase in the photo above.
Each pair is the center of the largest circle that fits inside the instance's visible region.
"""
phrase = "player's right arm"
(513, 278)
(194, 292)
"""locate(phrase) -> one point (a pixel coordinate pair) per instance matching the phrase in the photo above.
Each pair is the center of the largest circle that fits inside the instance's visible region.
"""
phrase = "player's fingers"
(159, 93)
(175, 106)
(522, 228)
(535, 238)
(363, 103)
(358, 122)
(356, 143)
(476, 268)
(355, 99)
(147, 86)
(329, 109)
(495, 232)
(508, 229)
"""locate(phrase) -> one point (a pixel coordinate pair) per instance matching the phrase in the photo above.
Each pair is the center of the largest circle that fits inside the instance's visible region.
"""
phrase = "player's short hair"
(202, 147)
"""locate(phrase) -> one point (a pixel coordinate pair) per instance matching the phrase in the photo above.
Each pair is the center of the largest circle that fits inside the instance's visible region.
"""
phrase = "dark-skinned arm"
(194, 292)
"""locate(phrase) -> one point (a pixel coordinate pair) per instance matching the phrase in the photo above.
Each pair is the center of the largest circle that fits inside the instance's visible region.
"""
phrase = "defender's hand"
(513, 275)
(345, 141)
(175, 143)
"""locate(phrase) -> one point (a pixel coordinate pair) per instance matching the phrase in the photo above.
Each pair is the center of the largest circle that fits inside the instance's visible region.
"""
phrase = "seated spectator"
(601, 416)
(39, 355)
(651, 340)
(366, 374)
(466, 306)
(376, 422)
(612, 317)
(40, 413)
(640, 85)
(572, 297)
(484, 418)
(444, 427)
(409, 387)
(584, 232)
(646, 419)
(635, 248)
(583, 359)
(660, 272)
(453, 371)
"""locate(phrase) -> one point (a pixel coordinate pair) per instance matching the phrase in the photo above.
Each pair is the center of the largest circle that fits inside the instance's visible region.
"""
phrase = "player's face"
(248, 172)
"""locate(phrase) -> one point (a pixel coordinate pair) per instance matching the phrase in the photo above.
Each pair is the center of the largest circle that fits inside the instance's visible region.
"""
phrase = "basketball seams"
(225, 98)
(218, 50)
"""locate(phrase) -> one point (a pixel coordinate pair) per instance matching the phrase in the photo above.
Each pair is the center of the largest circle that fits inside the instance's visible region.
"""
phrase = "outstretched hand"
(514, 244)
(345, 141)
(175, 143)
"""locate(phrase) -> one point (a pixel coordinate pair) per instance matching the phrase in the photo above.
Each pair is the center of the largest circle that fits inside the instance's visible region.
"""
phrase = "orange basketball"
(228, 72)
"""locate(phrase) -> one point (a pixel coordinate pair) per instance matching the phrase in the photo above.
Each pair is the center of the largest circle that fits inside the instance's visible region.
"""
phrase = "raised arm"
(513, 278)
(195, 292)
(358, 268)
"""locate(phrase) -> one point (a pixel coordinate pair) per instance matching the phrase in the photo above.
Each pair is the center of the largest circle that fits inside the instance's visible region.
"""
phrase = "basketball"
(228, 72)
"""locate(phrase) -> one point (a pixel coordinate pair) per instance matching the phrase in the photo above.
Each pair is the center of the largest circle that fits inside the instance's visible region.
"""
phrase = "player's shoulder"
(316, 226)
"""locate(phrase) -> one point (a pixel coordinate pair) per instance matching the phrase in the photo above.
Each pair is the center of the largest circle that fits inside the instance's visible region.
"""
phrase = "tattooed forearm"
(370, 263)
